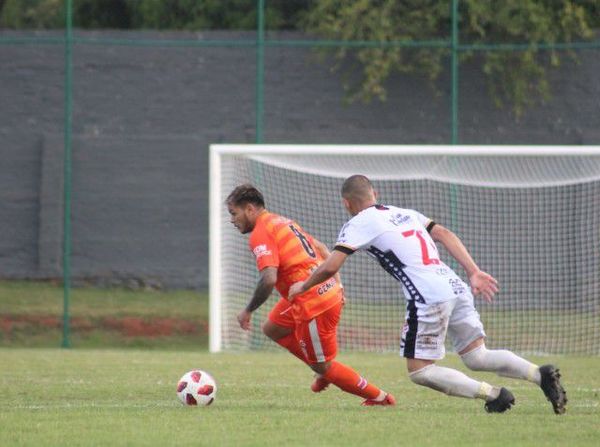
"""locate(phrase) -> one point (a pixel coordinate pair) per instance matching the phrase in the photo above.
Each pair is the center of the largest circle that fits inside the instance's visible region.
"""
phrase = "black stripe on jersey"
(344, 249)
(394, 266)
(430, 226)
(410, 339)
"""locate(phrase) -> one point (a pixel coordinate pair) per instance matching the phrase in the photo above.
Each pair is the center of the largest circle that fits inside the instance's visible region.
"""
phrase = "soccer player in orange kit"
(306, 326)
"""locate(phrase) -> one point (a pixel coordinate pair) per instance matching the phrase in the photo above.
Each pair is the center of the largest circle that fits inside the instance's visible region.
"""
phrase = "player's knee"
(274, 331)
(270, 331)
(422, 376)
(265, 328)
(476, 359)
(437, 378)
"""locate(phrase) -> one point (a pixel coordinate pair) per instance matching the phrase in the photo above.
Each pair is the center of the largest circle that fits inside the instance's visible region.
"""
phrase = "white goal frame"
(216, 197)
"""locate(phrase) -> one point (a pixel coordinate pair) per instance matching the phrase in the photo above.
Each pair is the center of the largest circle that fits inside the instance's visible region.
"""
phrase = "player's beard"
(245, 227)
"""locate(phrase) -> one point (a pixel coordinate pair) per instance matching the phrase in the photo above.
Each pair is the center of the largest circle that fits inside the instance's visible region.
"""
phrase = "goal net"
(530, 216)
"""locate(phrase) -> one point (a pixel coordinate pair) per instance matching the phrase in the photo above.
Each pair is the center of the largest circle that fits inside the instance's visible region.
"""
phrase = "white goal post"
(529, 215)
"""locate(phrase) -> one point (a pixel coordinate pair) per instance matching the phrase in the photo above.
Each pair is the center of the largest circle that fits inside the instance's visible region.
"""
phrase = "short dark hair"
(356, 187)
(244, 194)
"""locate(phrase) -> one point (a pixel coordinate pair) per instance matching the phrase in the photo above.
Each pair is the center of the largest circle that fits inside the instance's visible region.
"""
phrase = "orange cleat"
(319, 384)
(388, 400)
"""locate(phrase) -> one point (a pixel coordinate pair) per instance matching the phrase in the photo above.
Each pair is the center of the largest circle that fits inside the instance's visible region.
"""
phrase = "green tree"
(95, 14)
(515, 77)
(213, 14)
(23, 14)
(50, 14)
(151, 14)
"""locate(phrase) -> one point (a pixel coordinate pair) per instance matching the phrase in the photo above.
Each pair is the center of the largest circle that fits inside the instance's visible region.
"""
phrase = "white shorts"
(426, 325)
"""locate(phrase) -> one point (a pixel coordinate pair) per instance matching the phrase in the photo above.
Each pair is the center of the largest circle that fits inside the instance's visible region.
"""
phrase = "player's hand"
(484, 284)
(244, 319)
(295, 290)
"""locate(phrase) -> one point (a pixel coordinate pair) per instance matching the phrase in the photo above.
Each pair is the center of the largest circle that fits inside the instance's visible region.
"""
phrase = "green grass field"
(127, 397)
(117, 385)
(31, 316)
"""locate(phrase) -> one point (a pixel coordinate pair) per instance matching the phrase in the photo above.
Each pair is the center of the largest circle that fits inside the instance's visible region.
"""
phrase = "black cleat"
(552, 388)
(503, 402)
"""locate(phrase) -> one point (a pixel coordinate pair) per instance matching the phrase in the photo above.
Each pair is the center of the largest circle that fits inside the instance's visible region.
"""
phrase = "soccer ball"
(196, 387)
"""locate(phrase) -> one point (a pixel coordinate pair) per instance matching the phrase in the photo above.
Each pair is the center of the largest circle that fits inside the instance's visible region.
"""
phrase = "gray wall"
(144, 117)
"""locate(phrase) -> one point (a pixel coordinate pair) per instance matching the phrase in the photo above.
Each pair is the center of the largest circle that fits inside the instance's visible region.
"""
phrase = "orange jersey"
(277, 241)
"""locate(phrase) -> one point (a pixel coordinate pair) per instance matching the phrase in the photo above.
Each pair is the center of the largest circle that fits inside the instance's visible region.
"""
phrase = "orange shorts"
(318, 337)
(281, 314)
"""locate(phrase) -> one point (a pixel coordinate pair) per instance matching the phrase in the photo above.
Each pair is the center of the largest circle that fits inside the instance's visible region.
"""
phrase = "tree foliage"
(213, 14)
(151, 14)
(22, 14)
(515, 77)
(519, 78)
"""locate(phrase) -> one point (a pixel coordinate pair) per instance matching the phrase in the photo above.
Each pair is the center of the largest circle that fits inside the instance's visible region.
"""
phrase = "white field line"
(88, 405)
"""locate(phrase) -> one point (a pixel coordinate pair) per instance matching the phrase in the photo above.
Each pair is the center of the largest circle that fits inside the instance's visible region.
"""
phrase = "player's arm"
(455, 247)
(330, 267)
(481, 282)
(324, 252)
(264, 287)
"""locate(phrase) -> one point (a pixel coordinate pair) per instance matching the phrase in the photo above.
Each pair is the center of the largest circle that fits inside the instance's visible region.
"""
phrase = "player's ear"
(347, 205)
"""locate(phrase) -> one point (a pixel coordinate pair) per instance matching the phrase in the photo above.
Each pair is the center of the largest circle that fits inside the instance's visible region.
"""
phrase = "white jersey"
(399, 240)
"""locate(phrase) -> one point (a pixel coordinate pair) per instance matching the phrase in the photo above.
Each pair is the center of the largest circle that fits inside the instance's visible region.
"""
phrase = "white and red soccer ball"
(196, 387)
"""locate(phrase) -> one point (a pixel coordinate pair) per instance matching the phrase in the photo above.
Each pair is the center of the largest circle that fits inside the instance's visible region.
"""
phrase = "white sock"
(453, 383)
(381, 396)
(503, 362)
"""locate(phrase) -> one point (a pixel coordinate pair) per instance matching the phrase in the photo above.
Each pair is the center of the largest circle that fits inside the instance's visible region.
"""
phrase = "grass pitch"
(31, 315)
(127, 397)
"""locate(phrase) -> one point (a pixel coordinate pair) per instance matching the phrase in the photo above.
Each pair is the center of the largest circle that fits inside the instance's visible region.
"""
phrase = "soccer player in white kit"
(438, 301)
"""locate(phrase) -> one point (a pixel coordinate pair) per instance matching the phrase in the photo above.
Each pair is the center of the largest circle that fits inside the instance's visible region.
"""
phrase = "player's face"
(240, 219)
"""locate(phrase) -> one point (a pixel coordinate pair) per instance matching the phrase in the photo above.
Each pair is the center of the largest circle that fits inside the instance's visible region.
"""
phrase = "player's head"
(244, 204)
(358, 193)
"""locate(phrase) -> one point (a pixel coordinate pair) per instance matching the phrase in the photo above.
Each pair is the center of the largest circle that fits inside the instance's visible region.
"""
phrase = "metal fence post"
(260, 69)
(454, 114)
(66, 342)
(454, 94)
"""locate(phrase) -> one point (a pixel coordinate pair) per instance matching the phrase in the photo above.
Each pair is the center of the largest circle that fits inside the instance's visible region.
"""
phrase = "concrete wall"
(144, 117)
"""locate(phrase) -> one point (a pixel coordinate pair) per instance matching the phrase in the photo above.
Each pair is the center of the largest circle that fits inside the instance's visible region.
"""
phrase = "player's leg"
(280, 327)
(318, 336)
(466, 330)
(455, 383)
(467, 333)
(423, 342)
(505, 363)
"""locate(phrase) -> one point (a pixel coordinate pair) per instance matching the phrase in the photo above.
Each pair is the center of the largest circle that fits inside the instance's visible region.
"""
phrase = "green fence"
(259, 45)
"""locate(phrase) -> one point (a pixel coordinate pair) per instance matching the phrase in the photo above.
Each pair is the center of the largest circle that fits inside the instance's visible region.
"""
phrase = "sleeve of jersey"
(264, 249)
(350, 239)
(425, 221)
